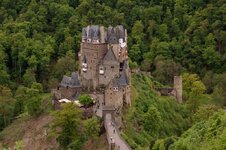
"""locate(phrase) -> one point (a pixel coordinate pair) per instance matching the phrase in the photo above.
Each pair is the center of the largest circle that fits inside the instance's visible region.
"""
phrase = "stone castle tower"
(178, 88)
(103, 60)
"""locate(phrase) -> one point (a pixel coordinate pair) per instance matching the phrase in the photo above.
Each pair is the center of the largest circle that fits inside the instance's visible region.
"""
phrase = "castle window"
(101, 70)
(115, 89)
(112, 67)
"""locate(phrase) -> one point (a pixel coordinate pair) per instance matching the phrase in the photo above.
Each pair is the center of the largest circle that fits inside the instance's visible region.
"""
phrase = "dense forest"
(40, 39)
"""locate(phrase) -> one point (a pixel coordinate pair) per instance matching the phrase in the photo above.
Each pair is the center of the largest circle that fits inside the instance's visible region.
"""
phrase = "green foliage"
(37, 86)
(189, 33)
(204, 112)
(152, 121)
(166, 69)
(92, 128)
(152, 117)
(204, 135)
(85, 99)
(192, 85)
(19, 145)
(68, 120)
(6, 106)
(70, 130)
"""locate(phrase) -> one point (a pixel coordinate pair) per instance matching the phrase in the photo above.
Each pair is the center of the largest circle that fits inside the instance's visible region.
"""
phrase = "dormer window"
(101, 70)
(89, 40)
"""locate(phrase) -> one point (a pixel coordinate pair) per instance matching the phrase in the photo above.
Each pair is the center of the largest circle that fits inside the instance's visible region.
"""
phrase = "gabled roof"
(122, 81)
(93, 31)
(72, 81)
(120, 31)
(110, 55)
(125, 64)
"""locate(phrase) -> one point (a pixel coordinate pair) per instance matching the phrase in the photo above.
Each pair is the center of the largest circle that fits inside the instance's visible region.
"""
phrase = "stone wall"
(94, 53)
(178, 88)
(113, 98)
(111, 69)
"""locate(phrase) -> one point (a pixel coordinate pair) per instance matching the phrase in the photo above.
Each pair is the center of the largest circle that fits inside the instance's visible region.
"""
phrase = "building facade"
(103, 60)
(103, 66)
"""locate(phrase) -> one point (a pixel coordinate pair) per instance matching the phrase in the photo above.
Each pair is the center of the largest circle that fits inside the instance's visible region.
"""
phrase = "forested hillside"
(40, 40)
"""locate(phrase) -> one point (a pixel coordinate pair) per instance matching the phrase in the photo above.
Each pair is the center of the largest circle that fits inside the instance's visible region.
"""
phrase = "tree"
(33, 103)
(165, 70)
(152, 121)
(6, 106)
(85, 99)
(192, 85)
(204, 112)
(29, 77)
(21, 97)
(69, 121)
(92, 128)
(64, 65)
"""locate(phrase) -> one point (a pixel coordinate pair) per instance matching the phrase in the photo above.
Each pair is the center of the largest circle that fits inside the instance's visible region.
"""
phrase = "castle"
(103, 66)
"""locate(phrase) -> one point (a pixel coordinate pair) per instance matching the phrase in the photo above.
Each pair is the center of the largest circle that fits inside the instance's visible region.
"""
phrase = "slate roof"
(125, 64)
(121, 31)
(112, 35)
(93, 32)
(72, 81)
(122, 81)
(115, 33)
(110, 55)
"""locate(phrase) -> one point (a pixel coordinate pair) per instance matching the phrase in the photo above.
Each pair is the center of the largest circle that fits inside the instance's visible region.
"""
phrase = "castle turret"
(178, 88)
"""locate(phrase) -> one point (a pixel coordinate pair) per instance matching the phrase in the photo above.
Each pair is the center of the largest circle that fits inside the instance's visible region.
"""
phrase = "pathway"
(98, 107)
(113, 134)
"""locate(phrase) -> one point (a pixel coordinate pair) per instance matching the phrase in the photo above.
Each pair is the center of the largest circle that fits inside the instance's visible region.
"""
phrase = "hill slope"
(152, 117)
(205, 135)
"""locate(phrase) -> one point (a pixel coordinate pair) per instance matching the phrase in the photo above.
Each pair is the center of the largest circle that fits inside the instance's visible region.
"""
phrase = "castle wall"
(111, 69)
(127, 95)
(93, 53)
(113, 98)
